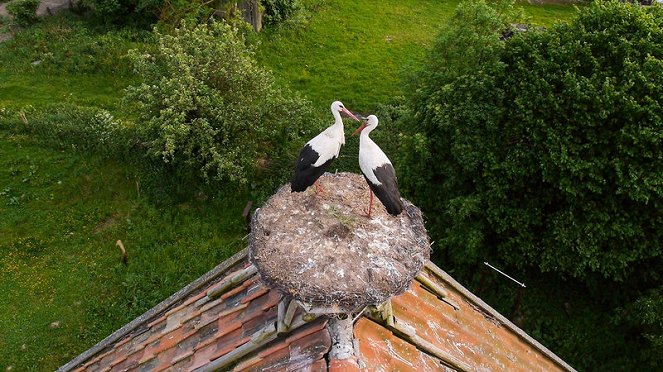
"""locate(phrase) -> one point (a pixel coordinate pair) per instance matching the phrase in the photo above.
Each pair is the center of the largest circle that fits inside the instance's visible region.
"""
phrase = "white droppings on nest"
(323, 251)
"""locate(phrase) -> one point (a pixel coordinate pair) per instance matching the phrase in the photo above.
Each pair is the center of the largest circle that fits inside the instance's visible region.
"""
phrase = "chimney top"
(322, 251)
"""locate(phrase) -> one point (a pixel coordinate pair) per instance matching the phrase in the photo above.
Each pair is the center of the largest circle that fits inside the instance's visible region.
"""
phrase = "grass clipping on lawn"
(323, 251)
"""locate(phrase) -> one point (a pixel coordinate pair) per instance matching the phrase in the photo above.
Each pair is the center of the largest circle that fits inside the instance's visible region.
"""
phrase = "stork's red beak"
(363, 125)
(350, 114)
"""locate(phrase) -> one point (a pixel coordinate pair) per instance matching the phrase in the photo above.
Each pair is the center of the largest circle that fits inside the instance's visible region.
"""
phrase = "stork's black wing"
(387, 192)
(305, 173)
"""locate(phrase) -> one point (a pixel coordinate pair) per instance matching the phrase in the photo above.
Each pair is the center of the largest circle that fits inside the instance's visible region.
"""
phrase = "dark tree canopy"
(546, 148)
(544, 151)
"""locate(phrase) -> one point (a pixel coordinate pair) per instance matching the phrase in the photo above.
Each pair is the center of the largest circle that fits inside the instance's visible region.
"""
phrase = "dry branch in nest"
(321, 250)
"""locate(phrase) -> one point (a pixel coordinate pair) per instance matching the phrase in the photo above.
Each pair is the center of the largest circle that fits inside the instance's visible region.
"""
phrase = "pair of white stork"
(320, 151)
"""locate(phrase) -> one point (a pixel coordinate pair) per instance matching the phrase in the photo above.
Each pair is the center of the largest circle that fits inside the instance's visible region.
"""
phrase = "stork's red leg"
(318, 188)
(370, 204)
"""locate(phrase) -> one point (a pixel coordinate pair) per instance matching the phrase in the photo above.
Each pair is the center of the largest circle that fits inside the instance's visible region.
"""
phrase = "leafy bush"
(138, 12)
(24, 12)
(277, 11)
(70, 127)
(545, 149)
(206, 105)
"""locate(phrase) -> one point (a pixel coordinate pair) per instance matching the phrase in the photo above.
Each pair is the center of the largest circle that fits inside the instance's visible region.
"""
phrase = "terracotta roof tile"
(202, 356)
(183, 363)
(344, 365)
(248, 363)
(381, 349)
(320, 365)
(164, 359)
(195, 330)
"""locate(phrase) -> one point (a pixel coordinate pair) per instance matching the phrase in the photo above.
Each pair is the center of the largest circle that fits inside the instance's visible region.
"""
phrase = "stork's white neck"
(366, 131)
(337, 117)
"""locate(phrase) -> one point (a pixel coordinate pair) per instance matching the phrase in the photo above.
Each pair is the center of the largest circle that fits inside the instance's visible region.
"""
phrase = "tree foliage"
(545, 150)
(547, 146)
(206, 105)
(277, 11)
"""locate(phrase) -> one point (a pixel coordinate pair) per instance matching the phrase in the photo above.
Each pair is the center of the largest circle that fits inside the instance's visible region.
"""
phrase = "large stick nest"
(323, 251)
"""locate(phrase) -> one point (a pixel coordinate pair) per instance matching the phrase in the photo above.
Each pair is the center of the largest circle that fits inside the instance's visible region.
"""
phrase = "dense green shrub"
(545, 149)
(24, 12)
(277, 11)
(550, 143)
(206, 105)
(138, 12)
(69, 126)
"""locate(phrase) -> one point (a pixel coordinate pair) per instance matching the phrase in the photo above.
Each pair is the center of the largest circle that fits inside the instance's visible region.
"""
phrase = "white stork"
(377, 170)
(319, 152)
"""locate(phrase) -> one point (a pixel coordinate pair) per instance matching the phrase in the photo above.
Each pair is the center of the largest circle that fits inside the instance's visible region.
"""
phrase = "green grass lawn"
(359, 52)
(60, 216)
(44, 87)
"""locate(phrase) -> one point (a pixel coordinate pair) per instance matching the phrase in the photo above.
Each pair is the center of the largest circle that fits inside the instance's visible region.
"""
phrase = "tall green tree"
(545, 150)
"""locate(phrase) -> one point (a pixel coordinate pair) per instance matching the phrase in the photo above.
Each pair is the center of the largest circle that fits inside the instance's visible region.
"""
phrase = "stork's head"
(337, 106)
(370, 122)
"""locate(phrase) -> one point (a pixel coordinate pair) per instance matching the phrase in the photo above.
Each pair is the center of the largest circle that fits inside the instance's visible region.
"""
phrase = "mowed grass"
(40, 88)
(63, 286)
(360, 52)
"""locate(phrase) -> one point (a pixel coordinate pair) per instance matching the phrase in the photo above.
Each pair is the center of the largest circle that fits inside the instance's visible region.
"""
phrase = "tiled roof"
(228, 320)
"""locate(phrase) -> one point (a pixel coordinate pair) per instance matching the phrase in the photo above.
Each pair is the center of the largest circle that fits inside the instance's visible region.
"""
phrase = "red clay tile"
(379, 348)
(278, 359)
(189, 335)
(118, 360)
(124, 341)
(318, 366)
(173, 321)
(146, 359)
(345, 365)
(211, 304)
(207, 335)
(190, 316)
(202, 356)
(183, 364)
(164, 359)
(195, 298)
(181, 357)
(224, 346)
(174, 310)
(273, 299)
(227, 326)
(276, 346)
(247, 363)
(156, 321)
(253, 325)
(169, 340)
(306, 330)
(254, 295)
(242, 287)
(232, 310)
(314, 346)
(134, 358)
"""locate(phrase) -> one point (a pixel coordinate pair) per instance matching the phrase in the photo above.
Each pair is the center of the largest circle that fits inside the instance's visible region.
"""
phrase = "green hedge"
(24, 12)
